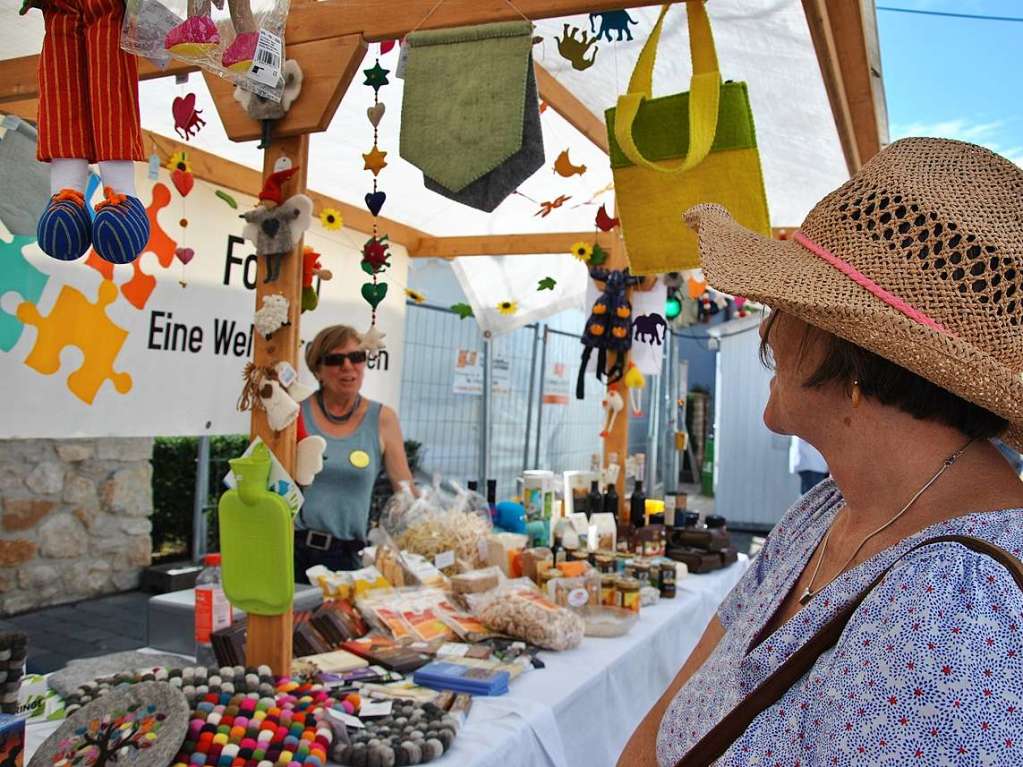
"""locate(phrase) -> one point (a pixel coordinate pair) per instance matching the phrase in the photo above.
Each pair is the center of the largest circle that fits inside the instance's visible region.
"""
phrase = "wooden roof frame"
(844, 34)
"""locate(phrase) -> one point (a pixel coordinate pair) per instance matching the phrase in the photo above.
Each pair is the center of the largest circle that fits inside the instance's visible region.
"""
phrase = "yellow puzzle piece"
(75, 321)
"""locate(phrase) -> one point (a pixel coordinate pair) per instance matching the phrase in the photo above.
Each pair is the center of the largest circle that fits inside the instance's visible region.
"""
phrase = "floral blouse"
(929, 669)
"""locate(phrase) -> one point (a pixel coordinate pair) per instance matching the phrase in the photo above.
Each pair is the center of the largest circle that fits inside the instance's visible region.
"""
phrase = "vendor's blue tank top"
(337, 502)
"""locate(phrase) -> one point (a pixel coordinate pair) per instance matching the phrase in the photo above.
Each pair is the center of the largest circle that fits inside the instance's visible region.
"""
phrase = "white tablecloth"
(583, 707)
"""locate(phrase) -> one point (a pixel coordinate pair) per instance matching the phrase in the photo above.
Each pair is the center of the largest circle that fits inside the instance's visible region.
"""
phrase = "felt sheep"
(272, 315)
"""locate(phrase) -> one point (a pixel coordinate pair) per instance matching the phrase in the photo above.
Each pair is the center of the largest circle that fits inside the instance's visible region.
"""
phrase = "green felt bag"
(256, 540)
(470, 116)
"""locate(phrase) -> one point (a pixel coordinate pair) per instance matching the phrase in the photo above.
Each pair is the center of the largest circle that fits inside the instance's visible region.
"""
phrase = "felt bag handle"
(720, 738)
(704, 92)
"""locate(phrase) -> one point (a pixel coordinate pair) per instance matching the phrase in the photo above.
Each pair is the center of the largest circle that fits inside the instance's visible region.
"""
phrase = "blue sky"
(955, 78)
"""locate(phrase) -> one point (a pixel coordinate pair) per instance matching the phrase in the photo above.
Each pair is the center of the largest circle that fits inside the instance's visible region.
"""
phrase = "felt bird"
(634, 382)
(613, 404)
(547, 207)
(373, 340)
(564, 167)
(547, 283)
(603, 221)
(462, 310)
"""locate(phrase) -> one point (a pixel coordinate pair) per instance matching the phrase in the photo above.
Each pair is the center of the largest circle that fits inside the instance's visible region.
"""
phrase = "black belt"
(321, 541)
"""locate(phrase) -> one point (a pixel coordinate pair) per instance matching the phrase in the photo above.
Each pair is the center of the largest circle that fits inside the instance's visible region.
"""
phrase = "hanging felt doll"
(609, 327)
(276, 225)
(89, 113)
(311, 269)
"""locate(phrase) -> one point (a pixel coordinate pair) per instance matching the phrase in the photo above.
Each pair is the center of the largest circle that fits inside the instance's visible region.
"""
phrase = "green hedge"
(174, 462)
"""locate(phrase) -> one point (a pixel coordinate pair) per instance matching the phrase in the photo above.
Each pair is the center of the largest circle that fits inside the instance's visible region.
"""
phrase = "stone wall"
(74, 519)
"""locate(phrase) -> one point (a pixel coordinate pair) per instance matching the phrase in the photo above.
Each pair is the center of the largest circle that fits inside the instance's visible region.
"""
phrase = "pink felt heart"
(182, 109)
(184, 254)
(386, 46)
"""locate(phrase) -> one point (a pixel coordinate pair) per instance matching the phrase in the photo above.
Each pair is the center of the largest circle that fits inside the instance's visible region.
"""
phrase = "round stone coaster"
(141, 725)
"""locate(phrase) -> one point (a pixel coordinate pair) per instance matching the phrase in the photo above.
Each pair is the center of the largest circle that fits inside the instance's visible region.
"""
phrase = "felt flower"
(179, 161)
(507, 308)
(582, 251)
(413, 295)
(375, 253)
(331, 219)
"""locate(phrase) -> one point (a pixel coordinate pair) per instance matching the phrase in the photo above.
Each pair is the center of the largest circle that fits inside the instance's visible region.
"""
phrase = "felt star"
(462, 310)
(376, 76)
(375, 160)
(547, 283)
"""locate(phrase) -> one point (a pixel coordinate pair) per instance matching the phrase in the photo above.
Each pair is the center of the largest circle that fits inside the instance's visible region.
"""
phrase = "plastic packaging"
(575, 593)
(607, 621)
(476, 581)
(518, 609)
(212, 610)
(243, 42)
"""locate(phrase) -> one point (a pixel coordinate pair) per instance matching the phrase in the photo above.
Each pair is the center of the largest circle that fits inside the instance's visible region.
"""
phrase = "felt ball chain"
(375, 253)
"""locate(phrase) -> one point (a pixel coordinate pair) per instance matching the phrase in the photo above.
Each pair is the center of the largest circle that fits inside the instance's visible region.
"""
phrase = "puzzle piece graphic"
(75, 321)
(140, 287)
(17, 274)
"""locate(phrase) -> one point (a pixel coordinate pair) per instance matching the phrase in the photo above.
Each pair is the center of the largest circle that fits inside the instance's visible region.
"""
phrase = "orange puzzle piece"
(75, 321)
(140, 287)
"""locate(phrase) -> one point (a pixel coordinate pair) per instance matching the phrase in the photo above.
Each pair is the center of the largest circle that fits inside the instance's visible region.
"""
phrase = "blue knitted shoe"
(121, 229)
(64, 231)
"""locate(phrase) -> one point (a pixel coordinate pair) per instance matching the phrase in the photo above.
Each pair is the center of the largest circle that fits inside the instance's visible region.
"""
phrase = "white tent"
(766, 43)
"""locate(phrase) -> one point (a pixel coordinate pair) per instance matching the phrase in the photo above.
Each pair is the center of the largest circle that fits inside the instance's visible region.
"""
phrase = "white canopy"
(763, 42)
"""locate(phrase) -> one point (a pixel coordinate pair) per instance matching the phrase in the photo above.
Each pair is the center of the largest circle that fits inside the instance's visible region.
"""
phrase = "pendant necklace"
(809, 593)
(337, 419)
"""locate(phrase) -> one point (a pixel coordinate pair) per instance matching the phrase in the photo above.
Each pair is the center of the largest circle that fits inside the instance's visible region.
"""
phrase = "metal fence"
(531, 417)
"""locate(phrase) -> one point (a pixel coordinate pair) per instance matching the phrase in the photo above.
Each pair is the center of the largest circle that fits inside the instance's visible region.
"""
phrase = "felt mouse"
(89, 113)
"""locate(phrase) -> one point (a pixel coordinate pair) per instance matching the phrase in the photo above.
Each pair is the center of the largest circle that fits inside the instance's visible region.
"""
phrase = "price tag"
(444, 559)
(285, 373)
(578, 597)
(399, 71)
(375, 708)
(266, 61)
(345, 718)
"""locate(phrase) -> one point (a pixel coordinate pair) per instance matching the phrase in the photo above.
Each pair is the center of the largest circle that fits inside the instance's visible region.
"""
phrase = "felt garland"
(181, 177)
(375, 252)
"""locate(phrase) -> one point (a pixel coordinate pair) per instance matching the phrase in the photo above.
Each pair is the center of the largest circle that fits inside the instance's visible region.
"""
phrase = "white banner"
(160, 352)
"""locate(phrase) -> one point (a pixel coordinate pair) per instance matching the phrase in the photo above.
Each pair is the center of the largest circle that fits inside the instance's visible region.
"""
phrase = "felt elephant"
(612, 21)
(648, 328)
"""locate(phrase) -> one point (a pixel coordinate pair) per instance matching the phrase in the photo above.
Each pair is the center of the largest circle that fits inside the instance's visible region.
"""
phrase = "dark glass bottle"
(492, 498)
(637, 505)
(611, 500)
(473, 485)
(594, 501)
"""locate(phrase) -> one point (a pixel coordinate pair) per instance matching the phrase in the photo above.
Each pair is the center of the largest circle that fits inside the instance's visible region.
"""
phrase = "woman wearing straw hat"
(883, 621)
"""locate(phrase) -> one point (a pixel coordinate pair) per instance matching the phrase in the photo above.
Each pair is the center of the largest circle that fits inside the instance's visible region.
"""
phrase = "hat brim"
(786, 276)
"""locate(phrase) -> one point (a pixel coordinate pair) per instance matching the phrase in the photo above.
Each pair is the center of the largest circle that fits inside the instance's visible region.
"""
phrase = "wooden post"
(269, 636)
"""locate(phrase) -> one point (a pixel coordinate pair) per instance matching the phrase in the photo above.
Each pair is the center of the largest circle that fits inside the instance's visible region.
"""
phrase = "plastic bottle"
(212, 611)
(637, 505)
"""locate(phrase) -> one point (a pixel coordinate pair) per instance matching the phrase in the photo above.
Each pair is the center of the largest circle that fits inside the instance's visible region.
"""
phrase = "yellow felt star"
(375, 160)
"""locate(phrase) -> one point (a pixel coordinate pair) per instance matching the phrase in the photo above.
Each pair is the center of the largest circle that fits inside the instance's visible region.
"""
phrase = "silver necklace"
(810, 592)
(338, 419)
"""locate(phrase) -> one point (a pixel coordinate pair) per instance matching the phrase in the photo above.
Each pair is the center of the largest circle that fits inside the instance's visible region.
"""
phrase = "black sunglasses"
(338, 359)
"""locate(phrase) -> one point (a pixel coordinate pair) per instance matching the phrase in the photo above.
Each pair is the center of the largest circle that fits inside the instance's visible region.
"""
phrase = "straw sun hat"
(918, 258)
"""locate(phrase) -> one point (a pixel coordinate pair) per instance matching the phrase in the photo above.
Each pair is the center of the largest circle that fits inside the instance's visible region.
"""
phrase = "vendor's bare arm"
(395, 460)
(641, 750)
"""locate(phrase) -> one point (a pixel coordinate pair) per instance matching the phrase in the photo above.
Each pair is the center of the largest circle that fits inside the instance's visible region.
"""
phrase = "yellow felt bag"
(673, 152)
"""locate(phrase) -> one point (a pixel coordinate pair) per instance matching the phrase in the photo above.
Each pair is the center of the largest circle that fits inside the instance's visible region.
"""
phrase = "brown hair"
(329, 338)
(843, 362)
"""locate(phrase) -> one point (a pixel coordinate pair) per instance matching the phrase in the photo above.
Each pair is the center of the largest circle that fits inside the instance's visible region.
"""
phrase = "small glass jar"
(666, 580)
(609, 590)
(642, 573)
(628, 592)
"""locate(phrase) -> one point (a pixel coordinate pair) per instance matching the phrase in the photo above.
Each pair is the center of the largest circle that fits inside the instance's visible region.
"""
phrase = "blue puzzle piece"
(91, 188)
(17, 274)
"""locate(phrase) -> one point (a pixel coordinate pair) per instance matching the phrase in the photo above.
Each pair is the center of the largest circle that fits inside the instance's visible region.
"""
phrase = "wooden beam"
(388, 20)
(240, 178)
(19, 77)
(575, 112)
(844, 34)
(328, 68)
(506, 244)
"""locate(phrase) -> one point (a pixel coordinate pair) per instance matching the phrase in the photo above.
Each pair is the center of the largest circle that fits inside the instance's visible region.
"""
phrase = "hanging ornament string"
(375, 252)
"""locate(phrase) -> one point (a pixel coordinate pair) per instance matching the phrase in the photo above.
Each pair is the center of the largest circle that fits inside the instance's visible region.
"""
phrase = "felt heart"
(375, 201)
(270, 226)
(183, 182)
(184, 254)
(182, 109)
(386, 46)
(376, 113)
(374, 294)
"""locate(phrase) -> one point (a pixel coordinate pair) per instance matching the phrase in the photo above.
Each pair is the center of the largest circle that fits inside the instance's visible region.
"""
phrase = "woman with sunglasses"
(882, 623)
(362, 437)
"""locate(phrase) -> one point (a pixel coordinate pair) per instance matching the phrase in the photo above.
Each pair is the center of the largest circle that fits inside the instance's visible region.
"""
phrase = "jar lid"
(628, 584)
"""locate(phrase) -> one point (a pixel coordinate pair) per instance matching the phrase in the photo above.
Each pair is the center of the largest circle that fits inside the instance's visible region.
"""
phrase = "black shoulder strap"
(712, 745)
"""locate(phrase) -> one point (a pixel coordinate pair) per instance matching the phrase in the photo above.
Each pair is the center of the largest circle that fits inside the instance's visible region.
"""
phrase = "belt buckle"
(327, 540)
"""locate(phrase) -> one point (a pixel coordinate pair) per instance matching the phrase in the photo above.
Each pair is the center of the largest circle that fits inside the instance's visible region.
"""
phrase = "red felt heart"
(184, 254)
(386, 46)
(182, 109)
(183, 181)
